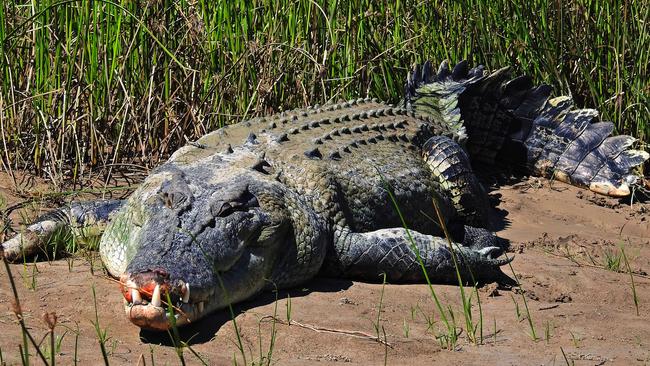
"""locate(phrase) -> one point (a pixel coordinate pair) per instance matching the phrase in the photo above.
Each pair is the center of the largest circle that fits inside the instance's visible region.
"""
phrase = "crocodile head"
(183, 248)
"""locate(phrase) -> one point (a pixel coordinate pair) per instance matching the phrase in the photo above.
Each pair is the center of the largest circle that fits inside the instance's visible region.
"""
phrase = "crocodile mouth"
(155, 303)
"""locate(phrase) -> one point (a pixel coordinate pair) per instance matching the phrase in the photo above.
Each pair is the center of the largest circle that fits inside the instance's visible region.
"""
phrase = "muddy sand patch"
(568, 246)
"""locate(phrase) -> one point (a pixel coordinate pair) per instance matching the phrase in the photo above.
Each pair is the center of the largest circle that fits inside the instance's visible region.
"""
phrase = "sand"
(561, 237)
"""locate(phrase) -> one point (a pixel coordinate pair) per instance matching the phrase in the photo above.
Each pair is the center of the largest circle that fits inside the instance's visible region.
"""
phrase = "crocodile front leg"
(391, 251)
(84, 220)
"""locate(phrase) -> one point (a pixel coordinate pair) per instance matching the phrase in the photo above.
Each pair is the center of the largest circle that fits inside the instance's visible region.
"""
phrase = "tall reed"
(89, 86)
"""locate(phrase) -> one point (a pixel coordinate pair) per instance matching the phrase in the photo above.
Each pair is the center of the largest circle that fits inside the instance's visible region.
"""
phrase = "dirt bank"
(563, 239)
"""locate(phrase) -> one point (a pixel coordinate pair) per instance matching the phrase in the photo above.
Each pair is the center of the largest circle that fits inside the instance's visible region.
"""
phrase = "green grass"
(95, 86)
(635, 297)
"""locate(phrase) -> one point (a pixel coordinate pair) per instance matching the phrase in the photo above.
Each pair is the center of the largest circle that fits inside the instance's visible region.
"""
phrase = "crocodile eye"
(173, 199)
(175, 194)
(224, 210)
(240, 202)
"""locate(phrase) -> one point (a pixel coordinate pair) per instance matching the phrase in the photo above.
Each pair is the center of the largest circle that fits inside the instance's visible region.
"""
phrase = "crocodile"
(355, 189)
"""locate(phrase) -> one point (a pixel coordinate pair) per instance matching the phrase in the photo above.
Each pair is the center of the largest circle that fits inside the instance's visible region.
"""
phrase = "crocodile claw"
(500, 262)
(491, 252)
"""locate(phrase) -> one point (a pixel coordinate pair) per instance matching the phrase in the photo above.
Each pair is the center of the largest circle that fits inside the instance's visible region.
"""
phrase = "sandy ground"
(561, 237)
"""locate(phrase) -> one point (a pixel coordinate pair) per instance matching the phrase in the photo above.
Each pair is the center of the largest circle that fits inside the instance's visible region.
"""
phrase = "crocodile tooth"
(135, 296)
(155, 297)
(199, 306)
(186, 295)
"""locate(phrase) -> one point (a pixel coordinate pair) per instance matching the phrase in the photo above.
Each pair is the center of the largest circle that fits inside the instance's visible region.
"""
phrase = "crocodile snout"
(149, 296)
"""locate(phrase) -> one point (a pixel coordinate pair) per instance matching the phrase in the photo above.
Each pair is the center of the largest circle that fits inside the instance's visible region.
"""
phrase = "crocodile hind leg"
(456, 181)
(84, 220)
(391, 251)
(453, 174)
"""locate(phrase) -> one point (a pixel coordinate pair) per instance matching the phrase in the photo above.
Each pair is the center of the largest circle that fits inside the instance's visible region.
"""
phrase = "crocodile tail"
(513, 122)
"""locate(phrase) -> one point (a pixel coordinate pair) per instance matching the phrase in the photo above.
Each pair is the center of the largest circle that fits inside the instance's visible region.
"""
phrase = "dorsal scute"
(336, 130)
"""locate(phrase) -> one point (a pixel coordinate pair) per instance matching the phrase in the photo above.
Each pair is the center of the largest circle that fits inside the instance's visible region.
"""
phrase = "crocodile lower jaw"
(148, 316)
(151, 305)
(151, 317)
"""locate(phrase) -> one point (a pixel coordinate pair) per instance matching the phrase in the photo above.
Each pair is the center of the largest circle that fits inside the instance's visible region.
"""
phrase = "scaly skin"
(273, 201)
(294, 205)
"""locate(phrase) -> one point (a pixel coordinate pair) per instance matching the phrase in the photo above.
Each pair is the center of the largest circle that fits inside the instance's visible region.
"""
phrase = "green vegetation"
(633, 287)
(99, 86)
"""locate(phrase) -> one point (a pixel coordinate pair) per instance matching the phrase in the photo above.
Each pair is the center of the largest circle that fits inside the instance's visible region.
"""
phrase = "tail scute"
(511, 121)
